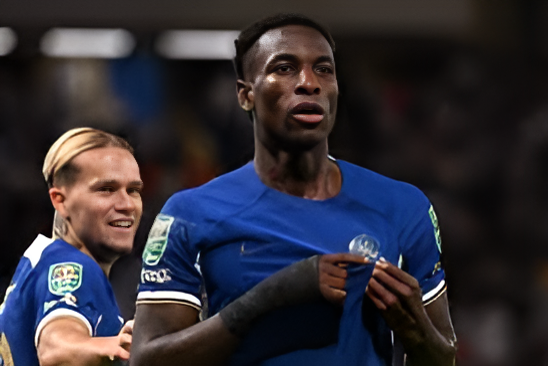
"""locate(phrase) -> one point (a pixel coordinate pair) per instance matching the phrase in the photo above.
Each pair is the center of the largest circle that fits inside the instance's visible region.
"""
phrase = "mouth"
(308, 112)
(123, 223)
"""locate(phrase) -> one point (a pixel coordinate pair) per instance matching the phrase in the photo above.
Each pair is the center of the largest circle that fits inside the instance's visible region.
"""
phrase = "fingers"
(124, 340)
(333, 274)
(395, 272)
(121, 354)
(125, 336)
(333, 295)
(128, 327)
(339, 258)
(396, 280)
(391, 288)
(331, 270)
(379, 295)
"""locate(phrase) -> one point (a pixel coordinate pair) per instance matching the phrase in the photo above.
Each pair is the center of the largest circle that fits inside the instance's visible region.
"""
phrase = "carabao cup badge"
(64, 278)
(157, 239)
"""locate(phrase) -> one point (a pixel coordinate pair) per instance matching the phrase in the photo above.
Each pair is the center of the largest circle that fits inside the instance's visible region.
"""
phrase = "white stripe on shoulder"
(34, 251)
(169, 295)
(434, 293)
(58, 313)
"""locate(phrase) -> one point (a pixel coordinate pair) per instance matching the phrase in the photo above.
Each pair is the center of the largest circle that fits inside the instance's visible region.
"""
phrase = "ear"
(57, 197)
(246, 99)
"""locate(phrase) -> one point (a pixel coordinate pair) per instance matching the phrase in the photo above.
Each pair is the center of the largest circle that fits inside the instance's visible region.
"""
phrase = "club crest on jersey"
(157, 239)
(436, 225)
(64, 278)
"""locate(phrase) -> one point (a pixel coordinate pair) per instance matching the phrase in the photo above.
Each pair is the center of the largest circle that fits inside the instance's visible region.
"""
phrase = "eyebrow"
(293, 58)
(138, 183)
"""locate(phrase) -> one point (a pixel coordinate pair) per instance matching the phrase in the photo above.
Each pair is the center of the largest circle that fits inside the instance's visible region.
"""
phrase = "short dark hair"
(252, 33)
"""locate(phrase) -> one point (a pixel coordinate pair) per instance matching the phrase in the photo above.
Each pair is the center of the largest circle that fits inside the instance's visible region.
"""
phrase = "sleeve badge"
(157, 239)
(64, 278)
(436, 225)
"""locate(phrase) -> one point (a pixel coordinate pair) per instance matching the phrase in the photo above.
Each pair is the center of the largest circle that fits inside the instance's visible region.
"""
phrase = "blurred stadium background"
(451, 96)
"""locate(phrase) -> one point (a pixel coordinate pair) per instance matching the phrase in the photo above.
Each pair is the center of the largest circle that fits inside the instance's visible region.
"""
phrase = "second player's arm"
(66, 341)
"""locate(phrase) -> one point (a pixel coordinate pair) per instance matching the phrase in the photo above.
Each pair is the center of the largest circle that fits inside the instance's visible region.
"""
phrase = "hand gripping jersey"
(53, 279)
(234, 231)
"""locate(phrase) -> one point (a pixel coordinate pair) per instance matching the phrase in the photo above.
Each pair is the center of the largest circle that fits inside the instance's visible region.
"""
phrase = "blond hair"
(57, 168)
(74, 142)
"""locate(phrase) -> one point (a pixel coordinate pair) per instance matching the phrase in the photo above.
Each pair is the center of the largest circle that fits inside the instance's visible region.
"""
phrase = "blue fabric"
(31, 298)
(360, 313)
(235, 231)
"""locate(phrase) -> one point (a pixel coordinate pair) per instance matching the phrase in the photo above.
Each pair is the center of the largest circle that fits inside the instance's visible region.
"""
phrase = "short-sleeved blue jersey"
(53, 279)
(235, 231)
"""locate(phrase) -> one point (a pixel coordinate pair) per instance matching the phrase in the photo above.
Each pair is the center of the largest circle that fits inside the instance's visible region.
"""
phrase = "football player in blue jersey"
(60, 308)
(269, 241)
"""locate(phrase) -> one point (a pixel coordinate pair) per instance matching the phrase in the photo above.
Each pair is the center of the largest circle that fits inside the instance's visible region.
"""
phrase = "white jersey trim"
(434, 293)
(168, 295)
(34, 251)
(58, 313)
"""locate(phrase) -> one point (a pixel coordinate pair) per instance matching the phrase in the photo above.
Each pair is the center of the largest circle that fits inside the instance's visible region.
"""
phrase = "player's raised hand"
(333, 274)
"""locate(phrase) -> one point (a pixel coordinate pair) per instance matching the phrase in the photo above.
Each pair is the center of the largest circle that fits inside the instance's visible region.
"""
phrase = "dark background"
(451, 96)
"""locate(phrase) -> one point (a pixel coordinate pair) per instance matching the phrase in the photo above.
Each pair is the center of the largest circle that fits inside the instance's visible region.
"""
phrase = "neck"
(307, 174)
(71, 238)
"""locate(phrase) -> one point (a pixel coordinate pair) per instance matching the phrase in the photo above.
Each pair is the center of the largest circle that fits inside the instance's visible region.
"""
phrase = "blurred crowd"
(468, 126)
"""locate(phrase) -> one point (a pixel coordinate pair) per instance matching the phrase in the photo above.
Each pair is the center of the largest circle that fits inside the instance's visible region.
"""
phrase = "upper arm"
(169, 272)
(438, 312)
(421, 251)
(170, 334)
(55, 333)
(66, 341)
(156, 320)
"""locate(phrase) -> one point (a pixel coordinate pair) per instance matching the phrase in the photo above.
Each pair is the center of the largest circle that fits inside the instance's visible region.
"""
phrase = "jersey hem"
(58, 313)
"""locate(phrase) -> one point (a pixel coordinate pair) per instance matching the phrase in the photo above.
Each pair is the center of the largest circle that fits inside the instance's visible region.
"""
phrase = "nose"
(125, 202)
(308, 83)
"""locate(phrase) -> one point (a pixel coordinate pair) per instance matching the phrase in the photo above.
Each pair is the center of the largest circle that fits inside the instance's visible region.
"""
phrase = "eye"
(284, 68)
(325, 69)
(134, 191)
(106, 189)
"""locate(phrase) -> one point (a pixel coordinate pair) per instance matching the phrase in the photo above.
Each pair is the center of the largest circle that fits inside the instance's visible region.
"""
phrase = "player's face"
(104, 204)
(291, 87)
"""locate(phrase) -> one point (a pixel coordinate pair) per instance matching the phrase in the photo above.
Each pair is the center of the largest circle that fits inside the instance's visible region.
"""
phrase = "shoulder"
(60, 251)
(219, 197)
(64, 264)
(369, 185)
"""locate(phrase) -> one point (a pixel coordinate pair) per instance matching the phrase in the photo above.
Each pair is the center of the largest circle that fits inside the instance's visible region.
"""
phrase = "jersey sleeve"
(421, 255)
(74, 288)
(170, 273)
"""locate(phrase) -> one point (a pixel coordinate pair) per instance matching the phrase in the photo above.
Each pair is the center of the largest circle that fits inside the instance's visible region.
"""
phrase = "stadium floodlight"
(8, 40)
(197, 44)
(86, 42)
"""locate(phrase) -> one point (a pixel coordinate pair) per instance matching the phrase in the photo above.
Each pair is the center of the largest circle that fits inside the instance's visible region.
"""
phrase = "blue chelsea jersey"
(53, 279)
(235, 231)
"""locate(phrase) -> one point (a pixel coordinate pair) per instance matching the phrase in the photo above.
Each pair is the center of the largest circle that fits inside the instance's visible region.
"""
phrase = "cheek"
(139, 208)
(272, 94)
(87, 215)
